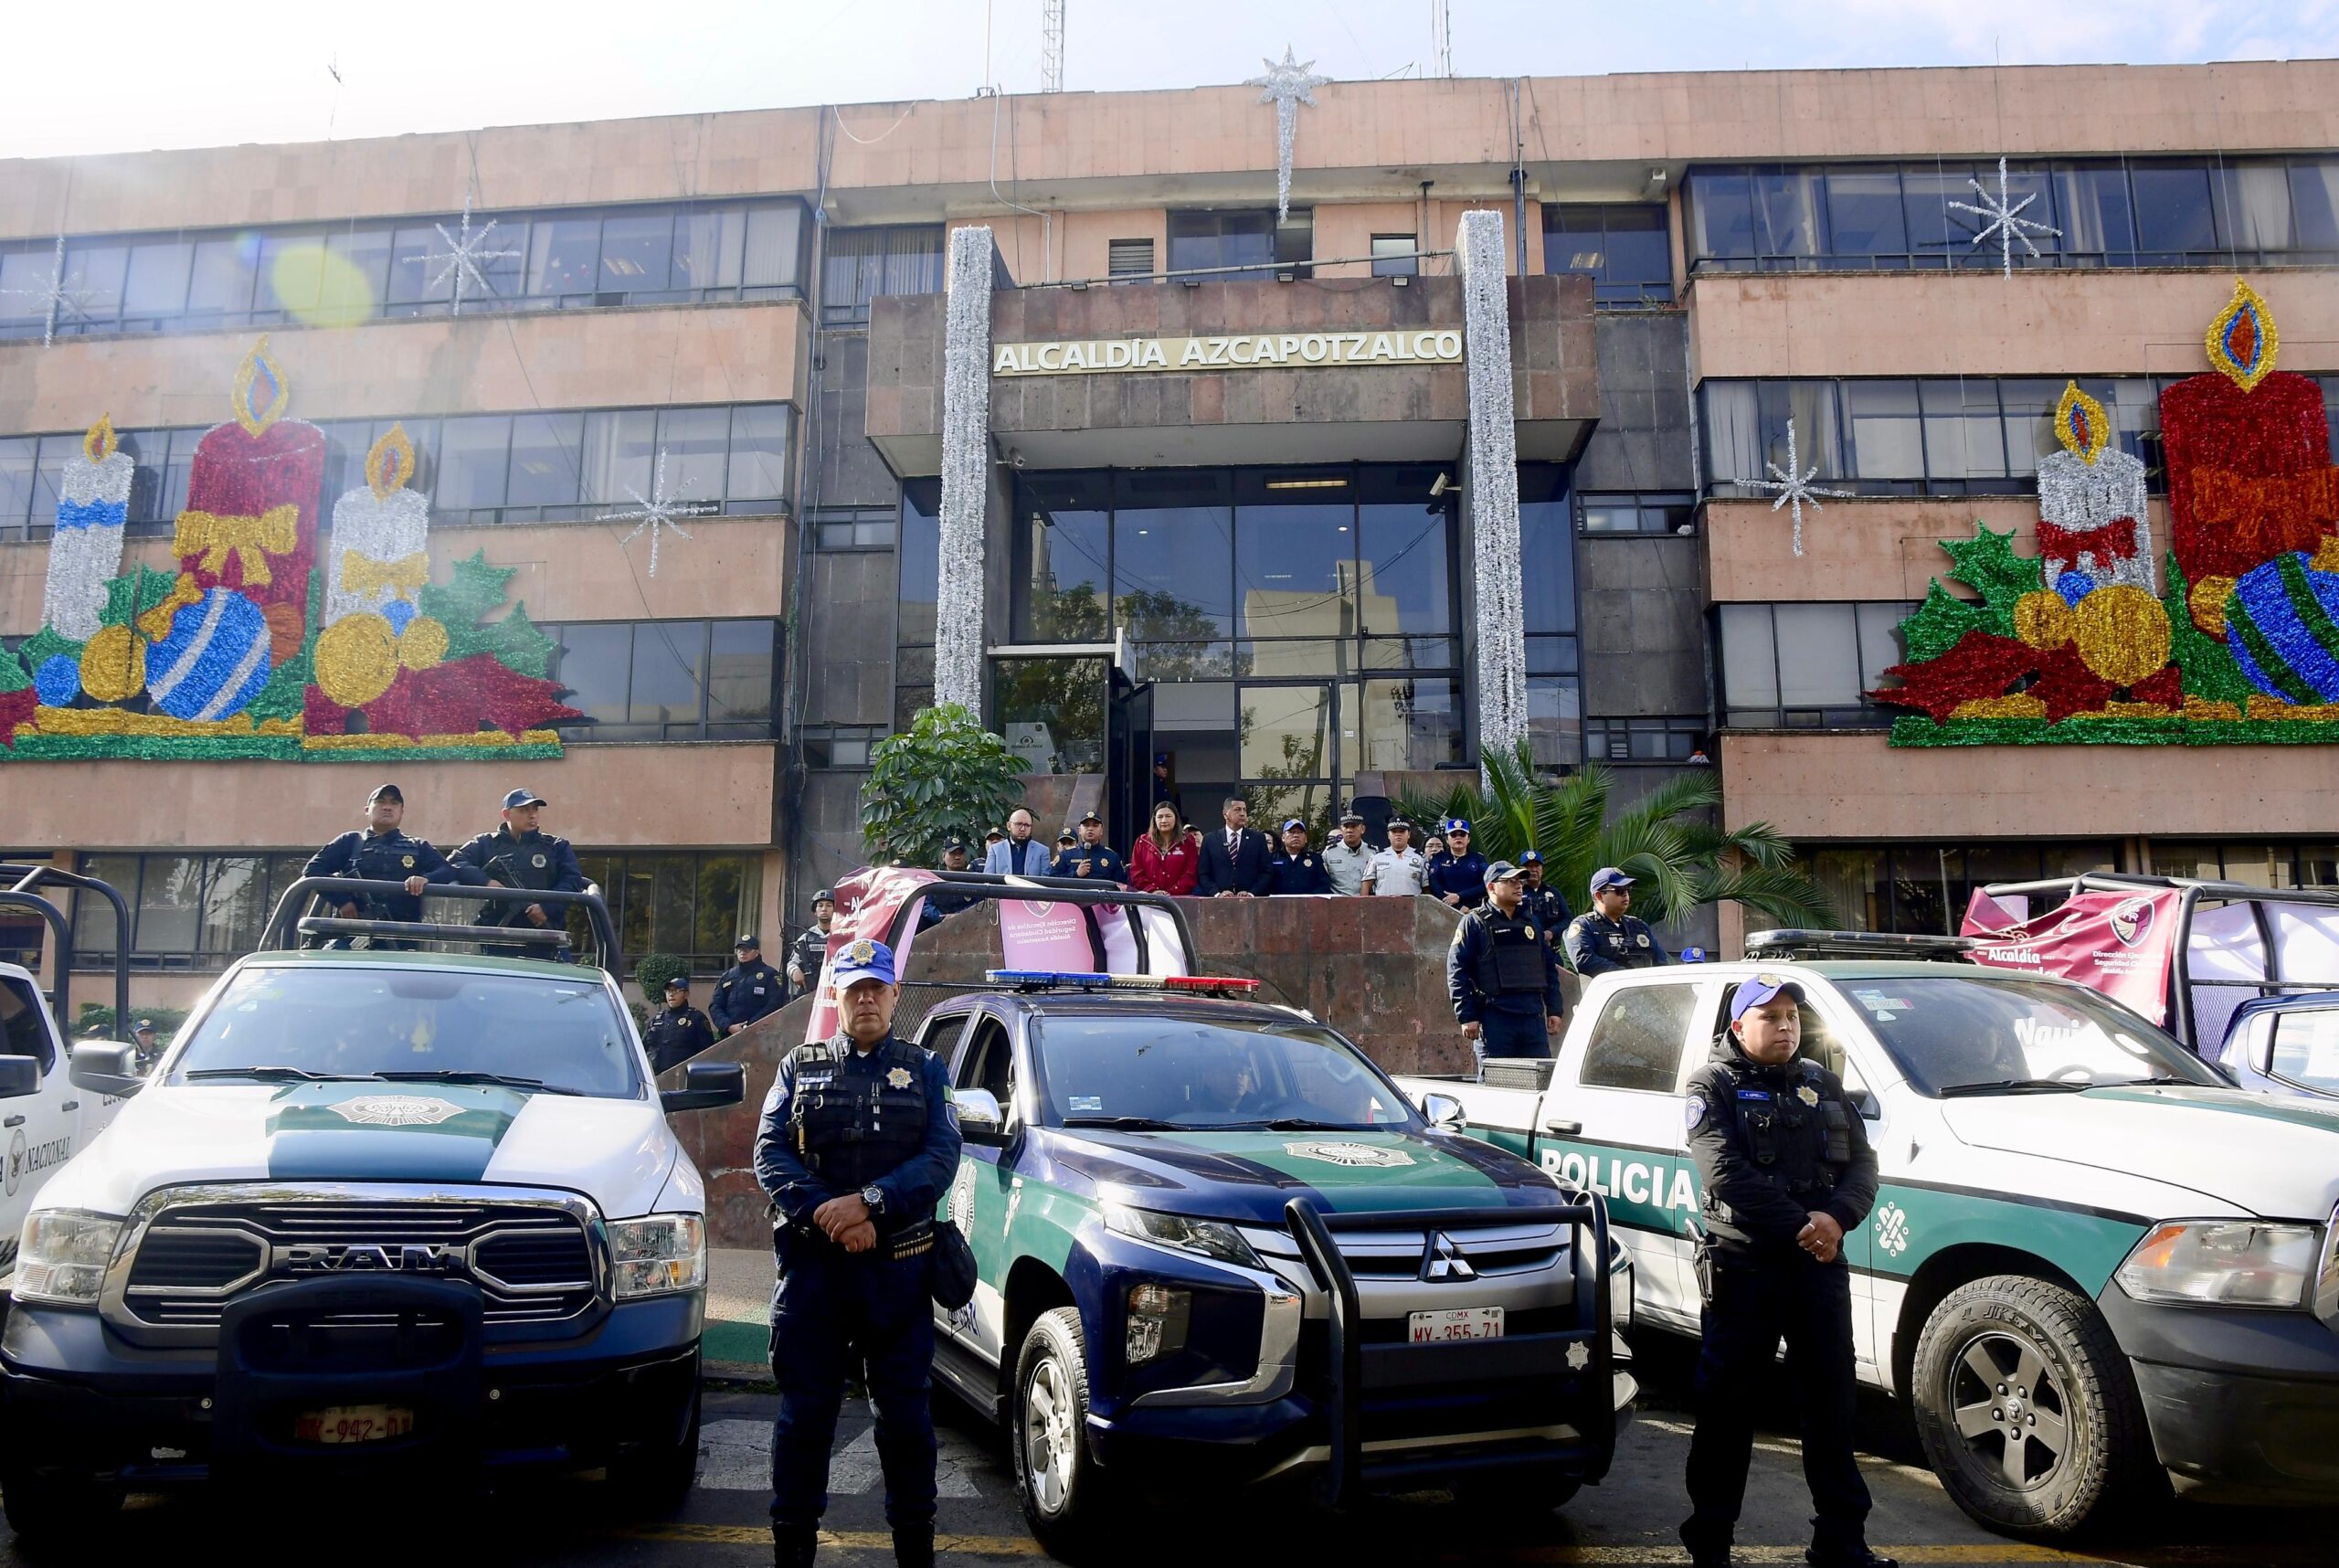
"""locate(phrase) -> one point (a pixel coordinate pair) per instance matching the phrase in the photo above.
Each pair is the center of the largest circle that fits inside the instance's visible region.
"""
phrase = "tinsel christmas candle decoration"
(1493, 482)
(2092, 523)
(251, 522)
(92, 504)
(377, 566)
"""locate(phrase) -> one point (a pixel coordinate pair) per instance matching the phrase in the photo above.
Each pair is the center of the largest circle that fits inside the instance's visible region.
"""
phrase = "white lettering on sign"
(1635, 1180)
(1097, 356)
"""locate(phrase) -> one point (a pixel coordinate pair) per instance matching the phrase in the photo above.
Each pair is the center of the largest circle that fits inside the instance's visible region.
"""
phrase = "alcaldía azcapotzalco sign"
(1229, 351)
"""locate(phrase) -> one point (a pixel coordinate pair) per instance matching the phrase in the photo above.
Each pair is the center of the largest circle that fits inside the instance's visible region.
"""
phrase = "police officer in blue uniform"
(381, 853)
(520, 854)
(1090, 855)
(1606, 936)
(678, 1031)
(941, 905)
(1460, 879)
(1502, 974)
(1295, 868)
(1786, 1167)
(1543, 901)
(858, 1143)
(749, 989)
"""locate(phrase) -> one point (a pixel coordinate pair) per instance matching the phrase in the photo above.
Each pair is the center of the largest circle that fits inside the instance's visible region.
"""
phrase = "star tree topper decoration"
(464, 254)
(1794, 485)
(1286, 86)
(2005, 219)
(656, 512)
(54, 296)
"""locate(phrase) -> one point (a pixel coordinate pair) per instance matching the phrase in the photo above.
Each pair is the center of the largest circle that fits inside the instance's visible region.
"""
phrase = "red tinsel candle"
(250, 522)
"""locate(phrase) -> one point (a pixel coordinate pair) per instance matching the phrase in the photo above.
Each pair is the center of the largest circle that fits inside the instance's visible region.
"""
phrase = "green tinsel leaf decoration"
(1987, 564)
(135, 593)
(2204, 666)
(460, 605)
(285, 692)
(12, 677)
(47, 644)
(1944, 617)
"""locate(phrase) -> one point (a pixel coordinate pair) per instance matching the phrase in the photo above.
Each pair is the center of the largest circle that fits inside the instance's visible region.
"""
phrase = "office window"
(1639, 514)
(1626, 249)
(853, 528)
(690, 904)
(1672, 741)
(1808, 666)
(839, 745)
(1212, 243)
(1924, 889)
(862, 264)
(1393, 256)
(1131, 258)
(188, 910)
(668, 680)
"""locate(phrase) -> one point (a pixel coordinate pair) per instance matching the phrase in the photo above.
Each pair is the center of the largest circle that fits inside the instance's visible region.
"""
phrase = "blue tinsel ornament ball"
(57, 681)
(214, 661)
(2282, 625)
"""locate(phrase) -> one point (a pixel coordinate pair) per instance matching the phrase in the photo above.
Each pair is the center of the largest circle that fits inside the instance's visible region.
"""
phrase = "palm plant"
(1665, 841)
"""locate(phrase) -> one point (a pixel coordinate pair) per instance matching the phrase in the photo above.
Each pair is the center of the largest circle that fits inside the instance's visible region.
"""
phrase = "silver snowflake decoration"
(54, 296)
(1286, 86)
(656, 512)
(1794, 487)
(463, 257)
(2005, 219)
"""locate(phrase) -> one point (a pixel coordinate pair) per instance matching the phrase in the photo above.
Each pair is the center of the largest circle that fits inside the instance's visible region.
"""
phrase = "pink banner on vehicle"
(1042, 934)
(867, 902)
(2122, 944)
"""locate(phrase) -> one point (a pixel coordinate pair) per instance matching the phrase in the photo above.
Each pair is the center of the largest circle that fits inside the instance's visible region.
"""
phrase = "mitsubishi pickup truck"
(375, 1214)
(1213, 1240)
(2095, 1266)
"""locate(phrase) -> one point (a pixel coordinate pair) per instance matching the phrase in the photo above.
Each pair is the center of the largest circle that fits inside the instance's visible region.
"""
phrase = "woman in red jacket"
(1166, 858)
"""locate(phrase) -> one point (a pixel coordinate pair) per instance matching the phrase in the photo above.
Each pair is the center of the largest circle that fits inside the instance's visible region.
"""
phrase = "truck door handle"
(71, 1104)
(1563, 1128)
(13, 1121)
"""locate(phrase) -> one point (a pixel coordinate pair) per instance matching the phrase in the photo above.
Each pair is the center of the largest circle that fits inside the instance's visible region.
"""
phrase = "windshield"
(402, 1024)
(1189, 1075)
(1963, 1033)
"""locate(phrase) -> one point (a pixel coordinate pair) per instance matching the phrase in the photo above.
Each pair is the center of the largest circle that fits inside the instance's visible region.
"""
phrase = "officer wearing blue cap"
(748, 990)
(1542, 900)
(1460, 879)
(519, 855)
(1785, 1169)
(1606, 936)
(858, 1143)
(1502, 974)
(1294, 867)
(382, 852)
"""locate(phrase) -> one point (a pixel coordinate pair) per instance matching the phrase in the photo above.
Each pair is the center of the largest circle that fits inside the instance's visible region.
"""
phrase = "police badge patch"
(537, 861)
(899, 1078)
(862, 952)
(1695, 1111)
(1807, 1094)
(406, 861)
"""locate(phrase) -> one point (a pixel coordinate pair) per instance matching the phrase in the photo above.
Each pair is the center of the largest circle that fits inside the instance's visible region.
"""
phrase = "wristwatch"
(874, 1197)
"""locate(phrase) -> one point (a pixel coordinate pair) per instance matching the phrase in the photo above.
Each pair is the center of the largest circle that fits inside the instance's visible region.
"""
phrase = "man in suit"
(1236, 860)
(1020, 855)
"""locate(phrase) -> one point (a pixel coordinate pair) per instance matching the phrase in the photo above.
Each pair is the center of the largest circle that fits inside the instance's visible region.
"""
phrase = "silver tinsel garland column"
(966, 469)
(1492, 496)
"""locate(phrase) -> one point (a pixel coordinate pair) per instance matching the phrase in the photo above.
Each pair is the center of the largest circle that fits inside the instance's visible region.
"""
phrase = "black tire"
(1066, 1496)
(655, 1480)
(59, 1515)
(2008, 1354)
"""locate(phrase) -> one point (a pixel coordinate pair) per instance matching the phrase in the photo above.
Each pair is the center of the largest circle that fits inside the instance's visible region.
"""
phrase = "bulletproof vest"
(531, 861)
(1788, 1124)
(1512, 958)
(850, 1126)
(1620, 941)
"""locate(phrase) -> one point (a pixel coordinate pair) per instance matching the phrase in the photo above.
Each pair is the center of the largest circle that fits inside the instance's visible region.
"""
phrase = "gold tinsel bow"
(254, 539)
(363, 577)
(156, 622)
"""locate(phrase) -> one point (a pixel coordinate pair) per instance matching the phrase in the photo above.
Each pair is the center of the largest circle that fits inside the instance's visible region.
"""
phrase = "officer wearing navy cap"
(1502, 973)
(1550, 911)
(520, 854)
(940, 905)
(1785, 1169)
(1606, 936)
(810, 948)
(1460, 879)
(679, 1031)
(1295, 868)
(381, 853)
(858, 1143)
(749, 989)
(1090, 856)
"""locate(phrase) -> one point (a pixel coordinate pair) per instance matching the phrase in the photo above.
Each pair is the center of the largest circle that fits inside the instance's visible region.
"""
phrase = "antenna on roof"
(1050, 46)
(1440, 36)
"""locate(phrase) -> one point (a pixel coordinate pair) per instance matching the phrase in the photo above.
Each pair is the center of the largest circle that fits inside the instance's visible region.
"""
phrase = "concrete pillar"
(1490, 486)
(965, 467)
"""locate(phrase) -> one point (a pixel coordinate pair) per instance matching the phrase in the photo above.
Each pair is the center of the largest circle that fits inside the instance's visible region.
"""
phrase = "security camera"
(1015, 457)
(1441, 484)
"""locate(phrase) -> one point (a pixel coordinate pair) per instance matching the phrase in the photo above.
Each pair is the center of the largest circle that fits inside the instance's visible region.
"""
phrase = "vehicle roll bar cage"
(1082, 891)
(22, 893)
(291, 919)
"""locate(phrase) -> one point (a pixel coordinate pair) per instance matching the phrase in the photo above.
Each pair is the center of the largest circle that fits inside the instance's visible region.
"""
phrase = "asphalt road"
(1629, 1518)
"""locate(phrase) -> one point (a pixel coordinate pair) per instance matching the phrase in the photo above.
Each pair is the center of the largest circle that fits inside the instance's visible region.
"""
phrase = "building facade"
(1047, 402)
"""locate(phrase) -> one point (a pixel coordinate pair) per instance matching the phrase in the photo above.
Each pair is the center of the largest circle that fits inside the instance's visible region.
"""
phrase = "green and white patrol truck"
(2093, 1263)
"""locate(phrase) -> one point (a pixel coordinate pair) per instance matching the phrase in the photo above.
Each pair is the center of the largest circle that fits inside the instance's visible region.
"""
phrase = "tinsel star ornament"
(1286, 86)
(1794, 485)
(656, 512)
(54, 296)
(460, 260)
(2005, 219)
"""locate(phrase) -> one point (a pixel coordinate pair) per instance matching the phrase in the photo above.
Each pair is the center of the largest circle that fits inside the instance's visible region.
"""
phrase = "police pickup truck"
(375, 1212)
(2093, 1263)
(1213, 1239)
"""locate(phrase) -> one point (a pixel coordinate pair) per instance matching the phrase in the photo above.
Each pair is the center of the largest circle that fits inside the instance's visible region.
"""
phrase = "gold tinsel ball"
(357, 657)
(2123, 634)
(2207, 602)
(2043, 619)
(113, 664)
(423, 643)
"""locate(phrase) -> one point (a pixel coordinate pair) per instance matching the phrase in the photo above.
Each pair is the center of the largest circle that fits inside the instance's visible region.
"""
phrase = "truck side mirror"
(104, 1068)
(1444, 1113)
(979, 1117)
(19, 1076)
(707, 1085)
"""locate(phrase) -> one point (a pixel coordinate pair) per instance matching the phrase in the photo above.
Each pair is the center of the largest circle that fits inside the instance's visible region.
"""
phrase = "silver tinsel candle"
(966, 469)
(1493, 493)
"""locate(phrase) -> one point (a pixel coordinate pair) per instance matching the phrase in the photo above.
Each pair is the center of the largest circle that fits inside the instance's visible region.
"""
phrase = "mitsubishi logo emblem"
(1441, 1259)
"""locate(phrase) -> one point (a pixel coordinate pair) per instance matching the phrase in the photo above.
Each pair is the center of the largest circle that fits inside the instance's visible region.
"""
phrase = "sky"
(141, 74)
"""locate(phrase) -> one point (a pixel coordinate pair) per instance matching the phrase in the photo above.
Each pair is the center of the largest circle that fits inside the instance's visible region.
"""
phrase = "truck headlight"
(2224, 1263)
(1159, 1316)
(657, 1255)
(1204, 1238)
(62, 1256)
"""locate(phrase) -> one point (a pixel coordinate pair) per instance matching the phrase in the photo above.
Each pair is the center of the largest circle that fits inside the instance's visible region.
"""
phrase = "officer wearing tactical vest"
(679, 1031)
(858, 1143)
(1606, 936)
(1785, 1168)
(517, 854)
(810, 948)
(1542, 900)
(382, 853)
(748, 989)
(1502, 974)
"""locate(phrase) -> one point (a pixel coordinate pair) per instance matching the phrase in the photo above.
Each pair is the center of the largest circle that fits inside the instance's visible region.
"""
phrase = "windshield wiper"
(1126, 1123)
(301, 1075)
(2016, 1086)
(2157, 1079)
(1303, 1124)
(474, 1075)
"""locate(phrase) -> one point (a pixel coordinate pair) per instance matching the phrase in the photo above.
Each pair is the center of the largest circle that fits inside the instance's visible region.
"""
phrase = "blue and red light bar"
(1074, 980)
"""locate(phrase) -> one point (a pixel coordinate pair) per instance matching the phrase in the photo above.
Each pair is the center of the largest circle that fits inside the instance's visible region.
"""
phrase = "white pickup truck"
(2093, 1261)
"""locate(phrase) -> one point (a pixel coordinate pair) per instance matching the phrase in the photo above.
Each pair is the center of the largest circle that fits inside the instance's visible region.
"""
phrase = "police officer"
(149, 1043)
(679, 1031)
(1348, 860)
(1502, 975)
(748, 989)
(857, 1144)
(380, 852)
(1786, 1169)
(1543, 901)
(1460, 879)
(520, 854)
(940, 905)
(1606, 936)
(1295, 868)
(810, 948)
(1089, 856)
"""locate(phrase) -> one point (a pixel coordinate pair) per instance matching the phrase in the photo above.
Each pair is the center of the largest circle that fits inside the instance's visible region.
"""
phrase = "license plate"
(354, 1423)
(1459, 1323)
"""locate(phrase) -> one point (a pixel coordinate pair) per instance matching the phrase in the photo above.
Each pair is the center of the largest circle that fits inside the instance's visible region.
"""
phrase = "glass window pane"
(170, 904)
(471, 458)
(2314, 203)
(149, 456)
(23, 277)
(158, 281)
(594, 664)
(1887, 441)
(2254, 206)
(546, 449)
(419, 272)
(2091, 207)
(706, 248)
(2173, 213)
(1051, 712)
(723, 907)
(1810, 406)
(222, 277)
(564, 256)
(758, 452)
(695, 445)
(1392, 256)
(775, 246)
(1936, 233)
(1061, 542)
(1863, 214)
(635, 250)
(1734, 443)
(1964, 438)
(1547, 547)
(1818, 655)
(291, 271)
(19, 463)
(921, 559)
(94, 275)
(93, 919)
(674, 880)
(1879, 633)
(49, 477)
(739, 674)
(1787, 204)
(667, 656)
(1640, 250)
(1750, 675)
(1410, 723)
(620, 454)
(1402, 584)
(358, 278)
(1173, 554)
(1294, 565)
(234, 904)
(1285, 731)
(1555, 719)
(1722, 214)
